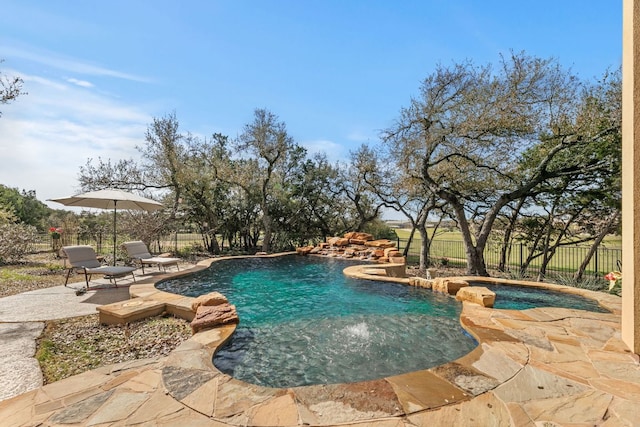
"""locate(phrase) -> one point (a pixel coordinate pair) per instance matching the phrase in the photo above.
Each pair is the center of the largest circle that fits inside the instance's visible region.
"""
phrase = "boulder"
(420, 282)
(305, 250)
(210, 299)
(478, 295)
(388, 251)
(383, 243)
(341, 242)
(331, 241)
(448, 286)
(397, 260)
(357, 241)
(209, 316)
(365, 237)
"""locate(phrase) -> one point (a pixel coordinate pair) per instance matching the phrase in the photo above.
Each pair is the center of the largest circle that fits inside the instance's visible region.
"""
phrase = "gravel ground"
(71, 346)
(38, 271)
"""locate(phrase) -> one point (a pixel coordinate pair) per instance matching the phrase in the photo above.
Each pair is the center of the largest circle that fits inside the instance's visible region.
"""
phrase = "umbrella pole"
(115, 202)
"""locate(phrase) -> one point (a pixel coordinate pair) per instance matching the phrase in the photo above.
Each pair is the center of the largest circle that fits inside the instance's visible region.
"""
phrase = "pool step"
(150, 304)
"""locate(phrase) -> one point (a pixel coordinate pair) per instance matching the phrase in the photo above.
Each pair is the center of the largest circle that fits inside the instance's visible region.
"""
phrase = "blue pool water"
(524, 297)
(303, 322)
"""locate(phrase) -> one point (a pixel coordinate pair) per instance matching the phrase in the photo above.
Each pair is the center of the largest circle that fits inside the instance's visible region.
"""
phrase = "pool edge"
(414, 392)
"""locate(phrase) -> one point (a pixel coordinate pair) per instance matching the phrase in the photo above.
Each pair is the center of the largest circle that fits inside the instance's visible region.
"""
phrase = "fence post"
(520, 266)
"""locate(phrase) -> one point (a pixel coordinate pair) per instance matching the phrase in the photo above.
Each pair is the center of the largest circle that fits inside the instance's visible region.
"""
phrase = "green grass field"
(449, 245)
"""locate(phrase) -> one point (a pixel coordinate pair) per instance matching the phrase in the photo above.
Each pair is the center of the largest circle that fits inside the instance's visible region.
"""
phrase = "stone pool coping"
(536, 365)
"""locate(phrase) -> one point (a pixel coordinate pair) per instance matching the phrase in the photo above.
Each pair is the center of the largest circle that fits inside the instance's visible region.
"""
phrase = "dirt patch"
(71, 346)
(38, 271)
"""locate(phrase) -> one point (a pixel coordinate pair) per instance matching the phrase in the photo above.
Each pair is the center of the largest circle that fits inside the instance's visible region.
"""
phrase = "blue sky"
(335, 71)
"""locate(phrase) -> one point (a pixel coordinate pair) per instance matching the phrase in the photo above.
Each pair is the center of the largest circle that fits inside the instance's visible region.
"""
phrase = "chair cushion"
(111, 271)
(160, 260)
(81, 256)
(137, 250)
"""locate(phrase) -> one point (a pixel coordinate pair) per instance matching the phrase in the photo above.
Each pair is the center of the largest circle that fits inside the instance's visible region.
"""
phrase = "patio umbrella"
(111, 199)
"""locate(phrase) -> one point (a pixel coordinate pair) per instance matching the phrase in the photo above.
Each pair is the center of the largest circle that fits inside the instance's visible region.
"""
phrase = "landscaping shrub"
(16, 240)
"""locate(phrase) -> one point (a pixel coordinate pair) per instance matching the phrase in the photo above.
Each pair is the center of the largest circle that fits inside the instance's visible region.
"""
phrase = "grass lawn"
(449, 244)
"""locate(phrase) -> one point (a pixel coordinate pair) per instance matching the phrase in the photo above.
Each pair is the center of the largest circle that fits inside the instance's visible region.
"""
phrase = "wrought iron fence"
(103, 244)
(565, 262)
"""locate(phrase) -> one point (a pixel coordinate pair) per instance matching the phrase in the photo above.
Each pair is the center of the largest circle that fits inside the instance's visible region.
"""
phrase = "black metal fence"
(103, 244)
(565, 262)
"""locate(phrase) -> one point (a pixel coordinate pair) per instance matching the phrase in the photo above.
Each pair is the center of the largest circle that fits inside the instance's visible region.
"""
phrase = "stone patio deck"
(544, 366)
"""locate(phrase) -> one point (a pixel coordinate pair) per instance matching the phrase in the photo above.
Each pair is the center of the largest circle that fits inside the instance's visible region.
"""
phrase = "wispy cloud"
(335, 152)
(68, 64)
(360, 136)
(81, 83)
(47, 135)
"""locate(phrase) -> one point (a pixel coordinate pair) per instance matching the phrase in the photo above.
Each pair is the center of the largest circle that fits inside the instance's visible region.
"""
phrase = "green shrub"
(380, 230)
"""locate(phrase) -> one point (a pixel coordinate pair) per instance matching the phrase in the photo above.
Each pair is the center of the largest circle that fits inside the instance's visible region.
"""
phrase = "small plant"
(615, 280)
(444, 261)
(54, 268)
(55, 232)
(589, 283)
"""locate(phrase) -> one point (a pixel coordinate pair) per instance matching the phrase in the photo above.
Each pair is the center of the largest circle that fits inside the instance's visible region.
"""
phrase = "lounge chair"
(139, 253)
(83, 259)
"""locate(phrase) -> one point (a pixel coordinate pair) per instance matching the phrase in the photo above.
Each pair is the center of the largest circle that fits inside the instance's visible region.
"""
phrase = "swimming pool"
(303, 322)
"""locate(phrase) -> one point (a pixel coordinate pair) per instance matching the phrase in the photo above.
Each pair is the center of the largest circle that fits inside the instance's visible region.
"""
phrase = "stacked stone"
(356, 245)
(211, 310)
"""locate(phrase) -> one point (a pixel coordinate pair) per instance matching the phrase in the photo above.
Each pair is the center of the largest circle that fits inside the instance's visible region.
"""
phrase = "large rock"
(357, 242)
(389, 251)
(378, 253)
(478, 295)
(305, 250)
(338, 241)
(420, 282)
(358, 236)
(382, 243)
(213, 315)
(448, 286)
(210, 299)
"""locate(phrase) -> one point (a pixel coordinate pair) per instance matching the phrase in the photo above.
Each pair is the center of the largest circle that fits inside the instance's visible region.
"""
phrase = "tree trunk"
(505, 251)
(215, 246)
(613, 219)
(266, 242)
(475, 261)
(425, 247)
(405, 253)
(474, 253)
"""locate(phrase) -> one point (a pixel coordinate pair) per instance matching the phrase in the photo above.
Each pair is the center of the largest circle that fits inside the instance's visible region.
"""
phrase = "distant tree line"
(524, 151)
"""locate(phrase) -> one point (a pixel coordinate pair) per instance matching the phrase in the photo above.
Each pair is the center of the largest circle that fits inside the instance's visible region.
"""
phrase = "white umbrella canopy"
(111, 199)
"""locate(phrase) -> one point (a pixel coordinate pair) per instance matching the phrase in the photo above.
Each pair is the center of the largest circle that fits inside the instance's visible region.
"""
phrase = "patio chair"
(140, 254)
(83, 259)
